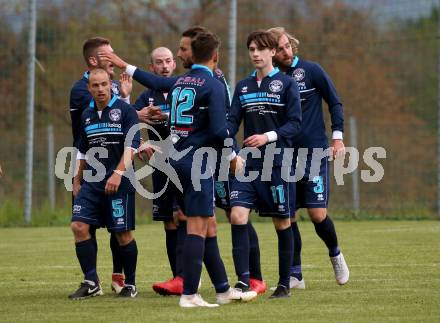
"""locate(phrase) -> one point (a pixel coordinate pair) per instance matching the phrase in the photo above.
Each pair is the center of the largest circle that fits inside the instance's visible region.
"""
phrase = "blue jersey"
(161, 83)
(109, 131)
(314, 85)
(80, 98)
(198, 114)
(274, 105)
(156, 98)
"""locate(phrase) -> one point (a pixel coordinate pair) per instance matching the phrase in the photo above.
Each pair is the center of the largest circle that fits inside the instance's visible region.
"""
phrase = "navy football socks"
(86, 253)
(116, 254)
(295, 270)
(171, 243)
(129, 254)
(193, 252)
(240, 251)
(214, 265)
(285, 255)
(254, 253)
(181, 236)
(326, 231)
(92, 232)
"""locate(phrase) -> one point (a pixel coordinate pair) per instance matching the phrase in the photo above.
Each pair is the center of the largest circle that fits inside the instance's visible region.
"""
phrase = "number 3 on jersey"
(183, 100)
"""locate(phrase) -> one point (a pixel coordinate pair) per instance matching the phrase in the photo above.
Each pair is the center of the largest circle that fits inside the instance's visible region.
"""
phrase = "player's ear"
(273, 51)
(174, 63)
(150, 66)
(215, 56)
(93, 61)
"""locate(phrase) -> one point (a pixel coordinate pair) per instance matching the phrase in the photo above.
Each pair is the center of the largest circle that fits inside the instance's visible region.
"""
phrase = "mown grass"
(395, 276)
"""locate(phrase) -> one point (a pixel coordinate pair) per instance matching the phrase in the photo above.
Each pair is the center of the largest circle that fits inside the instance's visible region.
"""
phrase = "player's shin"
(240, 252)
(214, 265)
(192, 263)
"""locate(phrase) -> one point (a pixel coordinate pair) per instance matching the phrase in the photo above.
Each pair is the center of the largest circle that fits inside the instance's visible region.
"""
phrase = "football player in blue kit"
(198, 120)
(312, 191)
(80, 98)
(268, 103)
(105, 197)
(175, 286)
(153, 110)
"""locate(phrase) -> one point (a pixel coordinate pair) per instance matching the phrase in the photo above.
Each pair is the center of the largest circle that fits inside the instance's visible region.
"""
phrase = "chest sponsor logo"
(115, 115)
(299, 74)
(276, 86)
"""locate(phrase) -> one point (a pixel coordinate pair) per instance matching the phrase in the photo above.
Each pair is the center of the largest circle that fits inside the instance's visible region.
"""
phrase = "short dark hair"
(194, 31)
(91, 45)
(203, 46)
(262, 39)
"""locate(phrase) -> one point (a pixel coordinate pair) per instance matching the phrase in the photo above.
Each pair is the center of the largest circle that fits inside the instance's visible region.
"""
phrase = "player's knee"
(124, 238)
(80, 230)
(281, 224)
(317, 215)
(239, 215)
(212, 227)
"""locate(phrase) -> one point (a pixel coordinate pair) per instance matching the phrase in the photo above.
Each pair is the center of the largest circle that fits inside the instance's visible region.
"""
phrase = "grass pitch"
(395, 276)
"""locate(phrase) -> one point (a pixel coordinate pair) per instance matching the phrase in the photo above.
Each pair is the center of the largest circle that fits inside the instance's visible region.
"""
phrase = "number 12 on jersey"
(183, 101)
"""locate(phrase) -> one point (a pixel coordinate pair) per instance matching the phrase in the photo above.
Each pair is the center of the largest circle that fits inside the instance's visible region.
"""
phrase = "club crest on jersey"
(276, 86)
(87, 121)
(115, 115)
(151, 101)
(115, 89)
(299, 74)
(244, 89)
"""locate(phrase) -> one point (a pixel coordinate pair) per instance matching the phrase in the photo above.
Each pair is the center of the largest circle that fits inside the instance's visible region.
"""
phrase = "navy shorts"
(116, 212)
(193, 201)
(222, 193)
(312, 191)
(162, 211)
(271, 198)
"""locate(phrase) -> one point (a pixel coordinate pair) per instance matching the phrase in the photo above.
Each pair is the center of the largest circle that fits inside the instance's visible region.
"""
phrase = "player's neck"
(263, 72)
(101, 105)
(211, 65)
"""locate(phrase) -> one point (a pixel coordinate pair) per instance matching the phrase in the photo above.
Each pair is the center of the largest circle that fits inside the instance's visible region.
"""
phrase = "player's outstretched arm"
(149, 80)
(326, 88)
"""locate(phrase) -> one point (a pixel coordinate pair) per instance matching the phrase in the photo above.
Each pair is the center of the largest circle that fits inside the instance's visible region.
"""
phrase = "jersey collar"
(86, 75)
(112, 101)
(272, 73)
(203, 67)
(295, 62)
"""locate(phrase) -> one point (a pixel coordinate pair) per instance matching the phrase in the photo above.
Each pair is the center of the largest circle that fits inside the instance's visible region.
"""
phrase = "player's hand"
(76, 187)
(160, 117)
(112, 58)
(236, 165)
(337, 149)
(256, 141)
(148, 113)
(126, 84)
(148, 152)
(112, 185)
